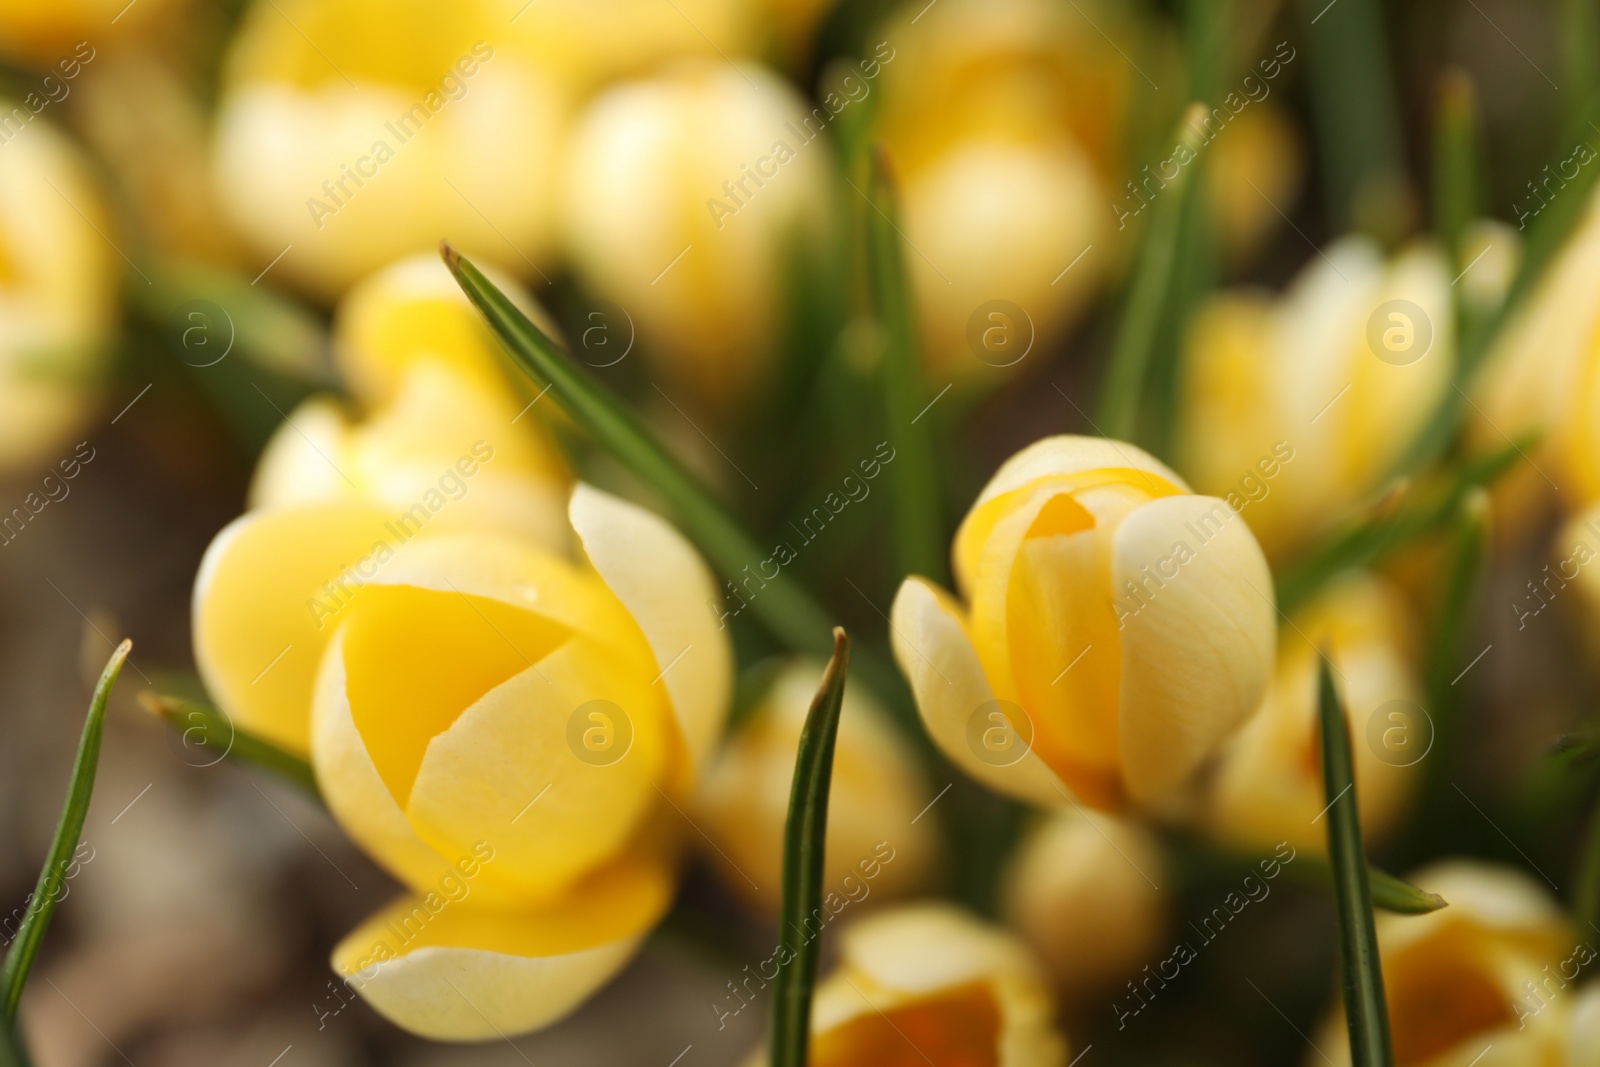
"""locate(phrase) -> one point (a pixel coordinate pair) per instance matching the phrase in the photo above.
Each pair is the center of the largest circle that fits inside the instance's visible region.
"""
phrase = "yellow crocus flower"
(1003, 119)
(929, 983)
(1296, 406)
(686, 196)
(353, 132)
(874, 805)
(1117, 628)
(1490, 980)
(59, 275)
(501, 727)
(1084, 889)
(1268, 783)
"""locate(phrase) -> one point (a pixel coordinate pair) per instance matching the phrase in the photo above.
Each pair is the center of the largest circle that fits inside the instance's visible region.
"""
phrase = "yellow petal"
(447, 967)
(959, 989)
(667, 588)
(935, 654)
(354, 791)
(1197, 651)
(306, 459)
(266, 590)
(556, 799)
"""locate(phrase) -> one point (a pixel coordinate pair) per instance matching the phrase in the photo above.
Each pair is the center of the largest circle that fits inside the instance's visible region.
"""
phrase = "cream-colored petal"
(1197, 653)
(445, 966)
(1071, 454)
(667, 588)
(304, 458)
(508, 771)
(936, 656)
(266, 597)
(354, 792)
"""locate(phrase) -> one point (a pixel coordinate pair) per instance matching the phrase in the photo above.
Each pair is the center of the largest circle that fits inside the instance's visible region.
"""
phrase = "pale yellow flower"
(1004, 122)
(929, 983)
(1295, 407)
(873, 807)
(1268, 784)
(58, 291)
(493, 722)
(1083, 889)
(1117, 630)
(353, 132)
(687, 197)
(1490, 980)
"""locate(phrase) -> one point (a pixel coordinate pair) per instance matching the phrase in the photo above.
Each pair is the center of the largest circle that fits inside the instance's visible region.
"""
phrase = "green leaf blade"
(804, 840)
(209, 728)
(69, 830)
(914, 484)
(1366, 1012)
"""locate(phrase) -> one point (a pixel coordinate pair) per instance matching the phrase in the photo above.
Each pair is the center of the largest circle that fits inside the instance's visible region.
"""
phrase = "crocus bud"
(1117, 629)
(58, 289)
(1493, 976)
(353, 132)
(1268, 784)
(1296, 407)
(878, 846)
(686, 197)
(1083, 890)
(932, 978)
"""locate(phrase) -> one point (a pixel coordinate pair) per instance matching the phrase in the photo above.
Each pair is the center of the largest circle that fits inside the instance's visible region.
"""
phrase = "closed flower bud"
(687, 196)
(1082, 889)
(1003, 119)
(929, 983)
(354, 132)
(877, 846)
(1268, 784)
(1491, 979)
(444, 444)
(58, 290)
(501, 727)
(1339, 374)
(1117, 629)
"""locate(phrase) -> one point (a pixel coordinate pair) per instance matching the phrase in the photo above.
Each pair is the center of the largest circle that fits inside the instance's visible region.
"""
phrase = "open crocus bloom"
(928, 983)
(1268, 785)
(1491, 980)
(1118, 628)
(495, 724)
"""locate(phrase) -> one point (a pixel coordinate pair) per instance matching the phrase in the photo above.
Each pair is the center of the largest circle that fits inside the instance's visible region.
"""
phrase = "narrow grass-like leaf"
(209, 732)
(1357, 116)
(914, 481)
(786, 609)
(1580, 60)
(1397, 519)
(11, 1051)
(1388, 892)
(1458, 179)
(42, 904)
(804, 840)
(1127, 375)
(1365, 1010)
